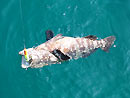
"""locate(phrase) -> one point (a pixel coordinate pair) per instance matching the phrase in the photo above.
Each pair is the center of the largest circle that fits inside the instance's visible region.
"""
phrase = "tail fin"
(109, 41)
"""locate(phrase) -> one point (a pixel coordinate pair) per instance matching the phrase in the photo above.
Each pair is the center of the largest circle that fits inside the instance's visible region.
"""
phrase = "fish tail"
(107, 43)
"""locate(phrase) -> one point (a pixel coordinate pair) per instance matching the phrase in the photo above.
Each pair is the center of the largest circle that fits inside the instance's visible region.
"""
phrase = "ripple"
(7, 8)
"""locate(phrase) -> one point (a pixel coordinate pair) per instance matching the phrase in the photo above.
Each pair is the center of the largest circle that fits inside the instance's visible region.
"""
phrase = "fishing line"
(22, 20)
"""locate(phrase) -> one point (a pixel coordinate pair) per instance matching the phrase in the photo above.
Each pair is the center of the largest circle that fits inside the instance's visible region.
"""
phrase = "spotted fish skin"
(74, 48)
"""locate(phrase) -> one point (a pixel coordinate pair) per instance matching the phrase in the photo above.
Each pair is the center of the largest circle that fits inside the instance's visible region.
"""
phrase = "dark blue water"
(101, 75)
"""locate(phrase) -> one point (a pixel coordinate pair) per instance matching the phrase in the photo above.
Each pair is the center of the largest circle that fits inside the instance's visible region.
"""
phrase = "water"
(101, 75)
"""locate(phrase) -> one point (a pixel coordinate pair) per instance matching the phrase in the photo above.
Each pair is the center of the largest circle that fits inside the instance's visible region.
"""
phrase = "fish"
(59, 48)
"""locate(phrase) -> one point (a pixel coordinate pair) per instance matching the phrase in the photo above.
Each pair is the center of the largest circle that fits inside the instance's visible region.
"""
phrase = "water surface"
(101, 75)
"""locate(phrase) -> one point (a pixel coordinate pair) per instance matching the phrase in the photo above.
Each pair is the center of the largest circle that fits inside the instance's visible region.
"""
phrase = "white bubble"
(114, 46)
(64, 14)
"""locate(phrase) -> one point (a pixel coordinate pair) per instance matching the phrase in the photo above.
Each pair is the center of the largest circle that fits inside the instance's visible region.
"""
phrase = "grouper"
(63, 48)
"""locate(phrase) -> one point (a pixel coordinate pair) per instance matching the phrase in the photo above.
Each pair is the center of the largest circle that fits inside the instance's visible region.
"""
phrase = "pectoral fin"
(49, 35)
(57, 53)
(92, 37)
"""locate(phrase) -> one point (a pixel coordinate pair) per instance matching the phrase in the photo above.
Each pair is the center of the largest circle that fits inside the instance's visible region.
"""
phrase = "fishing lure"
(26, 55)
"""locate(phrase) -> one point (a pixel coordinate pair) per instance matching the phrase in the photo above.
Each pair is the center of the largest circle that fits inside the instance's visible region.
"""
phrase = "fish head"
(37, 58)
(42, 58)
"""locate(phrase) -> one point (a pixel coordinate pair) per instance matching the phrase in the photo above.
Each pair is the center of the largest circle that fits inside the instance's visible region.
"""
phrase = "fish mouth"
(24, 63)
(21, 53)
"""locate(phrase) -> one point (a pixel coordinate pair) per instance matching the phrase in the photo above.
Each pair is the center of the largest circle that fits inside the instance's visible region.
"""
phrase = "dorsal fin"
(57, 37)
(92, 37)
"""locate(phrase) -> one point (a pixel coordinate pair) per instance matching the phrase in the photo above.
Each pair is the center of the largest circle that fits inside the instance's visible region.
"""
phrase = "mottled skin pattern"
(72, 47)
